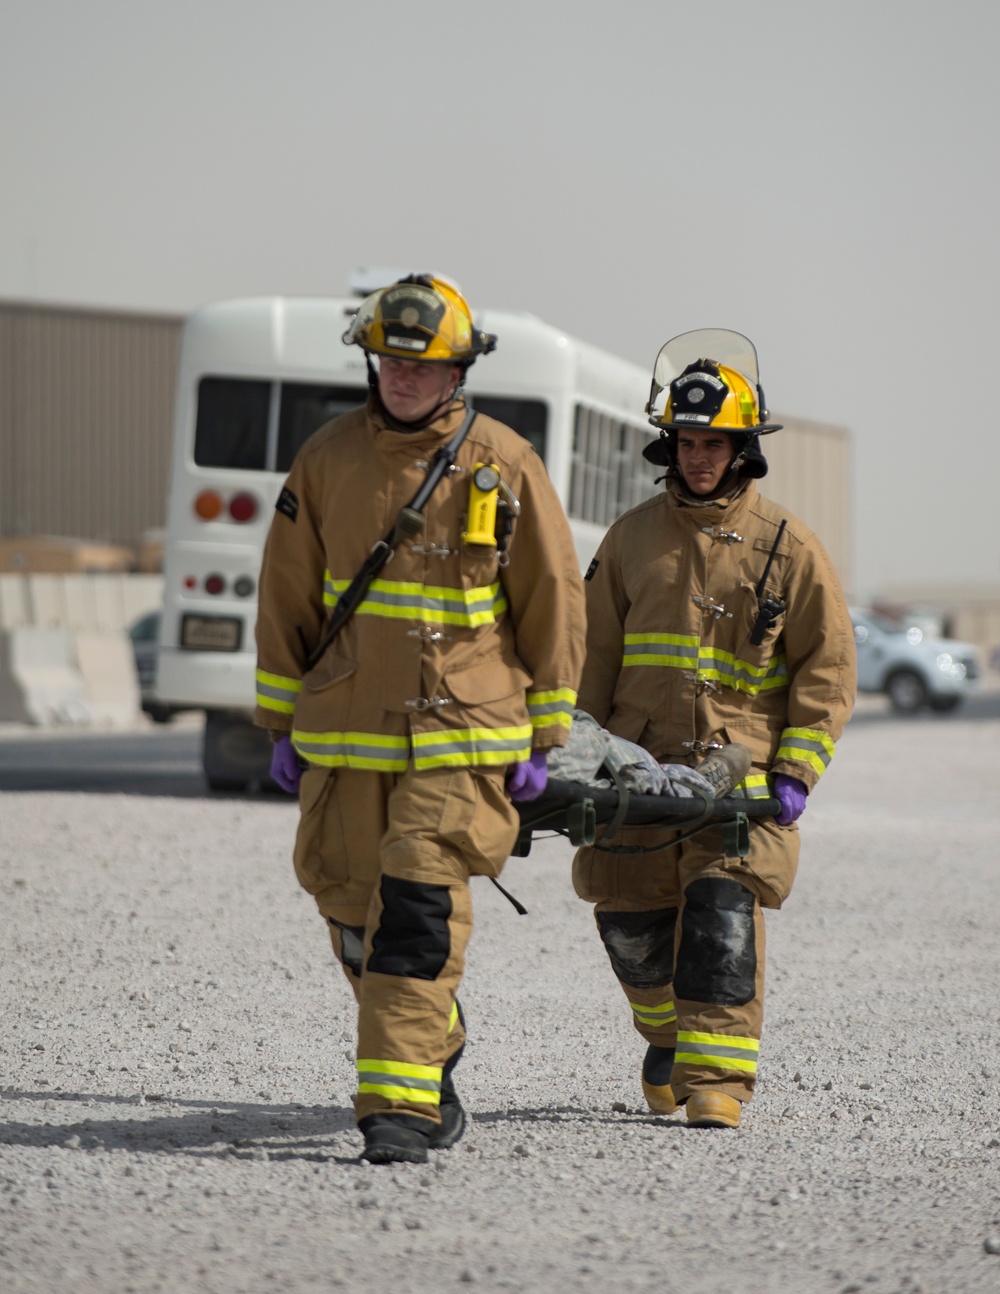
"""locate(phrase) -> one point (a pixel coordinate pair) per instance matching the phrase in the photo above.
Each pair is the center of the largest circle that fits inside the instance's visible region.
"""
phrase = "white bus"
(257, 377)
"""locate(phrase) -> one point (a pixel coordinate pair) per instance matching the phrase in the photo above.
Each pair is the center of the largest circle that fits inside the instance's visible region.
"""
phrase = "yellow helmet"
(710, 395)
(421, 317)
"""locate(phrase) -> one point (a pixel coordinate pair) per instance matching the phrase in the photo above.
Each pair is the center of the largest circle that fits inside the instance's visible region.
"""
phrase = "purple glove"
(286, 768)
(526, 781)
(792, 795)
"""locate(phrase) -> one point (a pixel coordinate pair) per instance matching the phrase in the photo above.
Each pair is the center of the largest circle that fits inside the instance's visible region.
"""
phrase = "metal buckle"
(717, 532)
(716, 609)
(428, 634)
(432, 550)
(422, 703)
(425, 464)
(702, 681)
(698, 747)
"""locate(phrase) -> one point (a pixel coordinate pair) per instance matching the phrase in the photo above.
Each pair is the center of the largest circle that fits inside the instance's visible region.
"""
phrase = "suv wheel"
(906, 691)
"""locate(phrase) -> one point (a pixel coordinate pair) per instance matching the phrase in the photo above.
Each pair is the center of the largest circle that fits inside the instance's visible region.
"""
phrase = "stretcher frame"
(575, 810)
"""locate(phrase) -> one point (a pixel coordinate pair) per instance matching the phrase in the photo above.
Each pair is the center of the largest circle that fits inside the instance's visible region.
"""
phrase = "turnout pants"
(388, 857)
(684, 931)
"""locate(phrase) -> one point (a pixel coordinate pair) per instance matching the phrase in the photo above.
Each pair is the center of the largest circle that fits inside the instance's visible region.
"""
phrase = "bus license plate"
(211, 633)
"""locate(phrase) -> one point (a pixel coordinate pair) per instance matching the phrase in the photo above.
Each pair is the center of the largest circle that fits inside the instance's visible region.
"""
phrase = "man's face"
(410, 388)
(703, 458)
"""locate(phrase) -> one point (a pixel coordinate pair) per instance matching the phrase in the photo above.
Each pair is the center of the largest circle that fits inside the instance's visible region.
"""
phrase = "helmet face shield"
(719, 345)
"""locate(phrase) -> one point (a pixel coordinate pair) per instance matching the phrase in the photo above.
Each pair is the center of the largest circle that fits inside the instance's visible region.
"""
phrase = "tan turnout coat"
(671, 604)
(451, 660)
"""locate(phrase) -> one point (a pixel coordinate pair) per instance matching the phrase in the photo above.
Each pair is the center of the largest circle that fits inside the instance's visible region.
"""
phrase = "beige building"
(86, 401)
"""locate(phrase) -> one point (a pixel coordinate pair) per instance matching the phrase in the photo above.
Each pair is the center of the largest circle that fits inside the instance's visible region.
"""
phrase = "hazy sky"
(823, 177)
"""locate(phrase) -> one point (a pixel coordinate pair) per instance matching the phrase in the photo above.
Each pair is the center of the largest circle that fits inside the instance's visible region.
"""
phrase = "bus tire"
(234, 753)
(226, 784)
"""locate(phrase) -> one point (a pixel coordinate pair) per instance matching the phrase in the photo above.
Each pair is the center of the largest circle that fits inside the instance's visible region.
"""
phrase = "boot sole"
(394, 1155)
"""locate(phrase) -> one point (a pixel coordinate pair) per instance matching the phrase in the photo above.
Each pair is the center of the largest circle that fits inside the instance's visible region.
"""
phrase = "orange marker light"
(208, 505)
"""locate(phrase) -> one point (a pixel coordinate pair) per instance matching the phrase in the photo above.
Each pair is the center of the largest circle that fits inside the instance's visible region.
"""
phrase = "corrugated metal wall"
(86, 401)
(809, 472)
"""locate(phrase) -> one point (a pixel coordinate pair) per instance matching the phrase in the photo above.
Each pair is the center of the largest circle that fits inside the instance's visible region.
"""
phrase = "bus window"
(231, 430)
(529, 418)
(608, 473)
(304, 409)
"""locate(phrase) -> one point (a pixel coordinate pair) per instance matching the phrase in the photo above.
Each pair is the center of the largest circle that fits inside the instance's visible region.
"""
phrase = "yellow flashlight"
(482, 519)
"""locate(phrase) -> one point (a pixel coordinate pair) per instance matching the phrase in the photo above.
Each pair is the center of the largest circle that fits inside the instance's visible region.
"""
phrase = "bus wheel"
(234, 753)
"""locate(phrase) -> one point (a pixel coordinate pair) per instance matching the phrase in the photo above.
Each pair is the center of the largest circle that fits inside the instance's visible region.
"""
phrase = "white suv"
(910, 666)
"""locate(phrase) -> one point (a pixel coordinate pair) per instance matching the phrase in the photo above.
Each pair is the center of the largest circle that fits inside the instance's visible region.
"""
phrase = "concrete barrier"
(65, 654)
(15, 609)
(40, 683)
(110, 686)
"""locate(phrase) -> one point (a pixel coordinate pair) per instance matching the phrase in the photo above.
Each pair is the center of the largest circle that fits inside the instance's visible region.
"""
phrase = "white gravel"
(176, 1065)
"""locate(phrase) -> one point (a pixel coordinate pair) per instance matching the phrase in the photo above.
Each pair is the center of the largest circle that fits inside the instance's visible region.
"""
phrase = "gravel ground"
(176, 1064)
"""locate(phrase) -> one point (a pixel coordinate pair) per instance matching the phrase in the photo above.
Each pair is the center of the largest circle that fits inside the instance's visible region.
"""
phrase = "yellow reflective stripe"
(684, 651)
(808, 746)
(720, 1040)
(276, 692)
(427, 603)
(741, 675)
(680, 650)
(402, 1068)
(392, 1092)
(715, 1062)
(369, 750)
(397, 1080)
(471, 747)
(453, 1018)
(654, 1015)
(551, 709)
(753, 787)
(717, 1051)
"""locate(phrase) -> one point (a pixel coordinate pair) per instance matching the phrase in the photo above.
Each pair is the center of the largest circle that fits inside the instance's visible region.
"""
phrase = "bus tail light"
(243, 507)
(208, 505)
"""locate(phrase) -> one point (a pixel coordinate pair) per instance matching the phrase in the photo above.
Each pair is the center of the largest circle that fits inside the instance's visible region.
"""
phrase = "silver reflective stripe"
(380, 1078)
(470, 746)
(712, 1049)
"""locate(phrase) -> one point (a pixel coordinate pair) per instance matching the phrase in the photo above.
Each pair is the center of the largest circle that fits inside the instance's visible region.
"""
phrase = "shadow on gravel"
(170, 1125)
(233, 1130)
(576, 1114)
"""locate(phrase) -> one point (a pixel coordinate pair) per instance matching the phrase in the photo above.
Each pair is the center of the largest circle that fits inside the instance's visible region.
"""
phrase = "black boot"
(395, 1139)
(452, 1115)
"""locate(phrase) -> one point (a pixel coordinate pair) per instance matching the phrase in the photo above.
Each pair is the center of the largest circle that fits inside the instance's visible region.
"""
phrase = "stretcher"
(576, 810)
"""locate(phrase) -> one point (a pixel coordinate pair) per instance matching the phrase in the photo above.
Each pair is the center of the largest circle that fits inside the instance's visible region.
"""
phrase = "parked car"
(913, 668)
(145, 636)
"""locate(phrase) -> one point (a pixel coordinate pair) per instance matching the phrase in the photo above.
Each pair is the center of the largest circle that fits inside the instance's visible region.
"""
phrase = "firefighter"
(434, 705)
(714, 616)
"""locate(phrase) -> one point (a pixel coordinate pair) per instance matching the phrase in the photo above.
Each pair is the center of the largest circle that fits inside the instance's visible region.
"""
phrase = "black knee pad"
(717, 959)
(412, 938)
(640, 945)
(352, 945)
